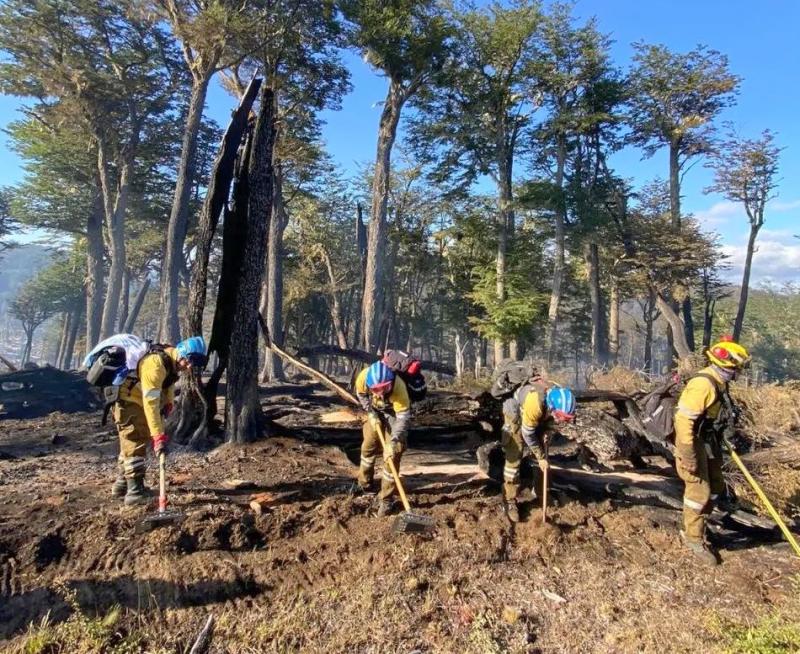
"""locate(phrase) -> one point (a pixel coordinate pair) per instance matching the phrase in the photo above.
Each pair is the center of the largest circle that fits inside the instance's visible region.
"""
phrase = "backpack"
(658, 406)
(409, 369)
(112, 360)
(509, 375)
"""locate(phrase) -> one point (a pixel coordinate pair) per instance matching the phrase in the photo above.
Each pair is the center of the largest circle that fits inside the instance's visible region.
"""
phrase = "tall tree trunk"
(560, 246)
(649, 318)
(216, 198)
(505, 220)
(124, 305)
(26, 350)
(168, 326)
(372, 301)
(62, 338)
(273, 365)
(335, 305)
(708, 322)
(675, 324)
(138, 301)
(94, 270)
(675, 185)
(688, 321)
(592, 257)
(243, 412)
(748, 262)
(613, 323)
(115, 205)
(72, 336)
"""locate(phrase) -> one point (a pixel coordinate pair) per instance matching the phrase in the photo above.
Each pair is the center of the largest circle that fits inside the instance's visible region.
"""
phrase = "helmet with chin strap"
(193, 349)
(561, 403)
(728, 354)
(380, 378)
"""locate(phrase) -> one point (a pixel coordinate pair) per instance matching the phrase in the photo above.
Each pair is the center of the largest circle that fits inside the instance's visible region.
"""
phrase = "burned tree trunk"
(198, 407)
(242, 411)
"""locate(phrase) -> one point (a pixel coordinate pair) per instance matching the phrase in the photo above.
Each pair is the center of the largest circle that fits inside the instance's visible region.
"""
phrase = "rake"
(407, 522)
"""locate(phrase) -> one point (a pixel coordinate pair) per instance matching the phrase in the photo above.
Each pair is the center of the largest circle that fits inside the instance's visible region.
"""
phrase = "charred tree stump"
(242, 410)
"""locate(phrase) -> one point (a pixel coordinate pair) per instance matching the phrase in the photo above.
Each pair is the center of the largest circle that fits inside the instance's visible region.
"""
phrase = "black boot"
(119, 487)
(137, 492)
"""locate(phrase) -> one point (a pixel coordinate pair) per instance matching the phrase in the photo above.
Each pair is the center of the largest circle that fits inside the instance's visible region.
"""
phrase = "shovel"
(545, 474)
(407, 522)
(163, 518)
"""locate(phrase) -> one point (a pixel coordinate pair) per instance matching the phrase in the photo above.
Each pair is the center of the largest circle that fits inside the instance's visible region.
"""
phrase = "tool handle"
(395, 474)
(162, 482)
(764, 499)
(545, 474)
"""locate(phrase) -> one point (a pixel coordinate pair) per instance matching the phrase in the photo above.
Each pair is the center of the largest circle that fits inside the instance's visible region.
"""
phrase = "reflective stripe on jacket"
(150, 387)
(397, 404)
(700, 399)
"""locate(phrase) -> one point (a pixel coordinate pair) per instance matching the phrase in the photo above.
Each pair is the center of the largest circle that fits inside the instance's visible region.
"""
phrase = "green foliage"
(80, 632)
(405, 39)
(771, 634)
(674, 97)
(771, 328)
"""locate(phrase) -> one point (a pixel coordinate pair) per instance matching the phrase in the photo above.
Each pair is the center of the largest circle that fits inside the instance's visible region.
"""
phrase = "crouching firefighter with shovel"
(700, 422)
(138, 380)
(384, 396)
(532, 410)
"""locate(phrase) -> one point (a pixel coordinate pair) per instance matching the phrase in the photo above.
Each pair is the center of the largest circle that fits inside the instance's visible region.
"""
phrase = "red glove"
(160, 444)
(168, 409)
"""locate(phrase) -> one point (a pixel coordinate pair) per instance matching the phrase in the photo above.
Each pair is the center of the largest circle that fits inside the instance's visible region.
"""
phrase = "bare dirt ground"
(315, 572)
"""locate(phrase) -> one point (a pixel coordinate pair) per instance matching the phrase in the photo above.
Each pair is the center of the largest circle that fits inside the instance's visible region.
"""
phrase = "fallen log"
(365, 357)
(8, 364)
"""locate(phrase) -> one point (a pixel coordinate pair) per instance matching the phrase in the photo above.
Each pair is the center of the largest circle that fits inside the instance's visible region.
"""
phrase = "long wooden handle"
(316, 374)
(545, 474)
(395, 474)
(162, 482)
(764, 499)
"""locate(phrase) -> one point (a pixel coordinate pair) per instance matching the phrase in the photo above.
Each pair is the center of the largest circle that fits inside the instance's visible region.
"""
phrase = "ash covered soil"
(316, 572)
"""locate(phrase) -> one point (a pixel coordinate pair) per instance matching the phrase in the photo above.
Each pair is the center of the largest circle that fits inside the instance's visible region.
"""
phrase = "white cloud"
(784, 206)
(719, 214)
(774, 259)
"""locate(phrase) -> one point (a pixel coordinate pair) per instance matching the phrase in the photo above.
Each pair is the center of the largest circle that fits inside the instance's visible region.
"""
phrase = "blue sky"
(761, 41)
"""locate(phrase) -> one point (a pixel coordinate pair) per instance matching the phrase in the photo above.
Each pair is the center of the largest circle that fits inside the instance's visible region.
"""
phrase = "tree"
(674, 99)
(204, 29)
(474, 116)
(113, 72)
(242, 411)
(6, 220)
(406, 41)
(745, 171)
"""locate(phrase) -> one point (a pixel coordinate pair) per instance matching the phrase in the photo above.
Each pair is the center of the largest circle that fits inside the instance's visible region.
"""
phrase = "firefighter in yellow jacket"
(530, 414)
(146, 398)
(699, 424)
(384, 396)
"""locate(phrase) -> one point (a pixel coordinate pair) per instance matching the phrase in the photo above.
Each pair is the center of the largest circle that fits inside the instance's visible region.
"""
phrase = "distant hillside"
(18, 265)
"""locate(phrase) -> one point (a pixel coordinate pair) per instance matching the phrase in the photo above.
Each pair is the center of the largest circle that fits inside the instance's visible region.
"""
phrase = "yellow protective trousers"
(134, 435)
(513, 450)
(703, 486)
(370, 449)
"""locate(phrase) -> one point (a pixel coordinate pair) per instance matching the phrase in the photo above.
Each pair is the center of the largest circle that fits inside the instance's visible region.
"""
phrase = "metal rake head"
(413, 523)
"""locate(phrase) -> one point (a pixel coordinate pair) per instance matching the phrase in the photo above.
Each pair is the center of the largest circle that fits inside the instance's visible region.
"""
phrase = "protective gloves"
(160, 444)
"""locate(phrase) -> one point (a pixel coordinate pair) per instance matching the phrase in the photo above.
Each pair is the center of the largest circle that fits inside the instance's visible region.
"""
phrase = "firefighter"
(146, 398)
(530, 415)
(699, 427)
(384, 396)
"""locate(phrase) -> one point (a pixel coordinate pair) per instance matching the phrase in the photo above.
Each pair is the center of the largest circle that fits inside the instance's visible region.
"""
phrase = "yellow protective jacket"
(526, 410)
(701, 399)
(397, 405)
(152, 386)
